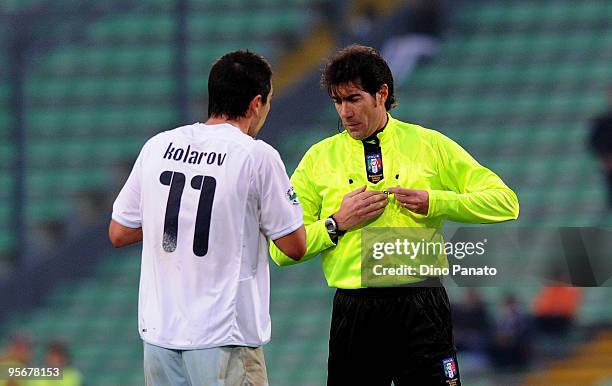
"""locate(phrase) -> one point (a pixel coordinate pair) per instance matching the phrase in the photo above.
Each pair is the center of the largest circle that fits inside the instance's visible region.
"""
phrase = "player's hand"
(416, 201)
(360, 206)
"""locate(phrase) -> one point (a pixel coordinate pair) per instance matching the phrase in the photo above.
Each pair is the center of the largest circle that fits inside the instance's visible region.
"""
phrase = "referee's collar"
(383, 133)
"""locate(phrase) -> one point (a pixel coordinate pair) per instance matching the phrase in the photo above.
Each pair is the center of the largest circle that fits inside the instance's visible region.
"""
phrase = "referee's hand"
(360, 206)
(414, 200)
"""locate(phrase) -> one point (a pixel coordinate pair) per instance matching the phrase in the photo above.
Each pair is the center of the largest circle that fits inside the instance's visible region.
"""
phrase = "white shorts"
(219, 366)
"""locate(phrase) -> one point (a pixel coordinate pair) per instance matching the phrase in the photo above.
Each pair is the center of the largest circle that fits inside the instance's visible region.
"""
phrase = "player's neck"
(241, 123)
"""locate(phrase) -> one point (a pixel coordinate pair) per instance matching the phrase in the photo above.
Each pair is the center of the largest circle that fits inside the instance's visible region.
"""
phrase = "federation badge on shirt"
(292, 196)
(374, 166)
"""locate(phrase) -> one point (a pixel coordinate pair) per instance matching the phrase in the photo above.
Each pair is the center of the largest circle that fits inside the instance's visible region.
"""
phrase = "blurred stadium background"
(84, 83)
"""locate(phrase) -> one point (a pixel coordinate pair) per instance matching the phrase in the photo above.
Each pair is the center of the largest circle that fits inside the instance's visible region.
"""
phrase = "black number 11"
(206, 185)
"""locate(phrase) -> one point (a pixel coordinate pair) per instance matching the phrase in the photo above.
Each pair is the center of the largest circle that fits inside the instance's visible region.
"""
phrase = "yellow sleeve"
(317, 238)
(474, 193)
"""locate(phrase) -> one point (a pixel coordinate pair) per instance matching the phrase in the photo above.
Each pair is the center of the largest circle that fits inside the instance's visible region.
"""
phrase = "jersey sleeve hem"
(286, 231)
(125, 222)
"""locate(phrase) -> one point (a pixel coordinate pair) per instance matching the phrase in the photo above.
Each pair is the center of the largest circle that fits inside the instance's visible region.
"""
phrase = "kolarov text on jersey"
(193, 157)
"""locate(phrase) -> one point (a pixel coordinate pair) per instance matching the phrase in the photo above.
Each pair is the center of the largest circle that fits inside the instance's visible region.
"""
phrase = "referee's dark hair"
(361, 65)
(234, 80)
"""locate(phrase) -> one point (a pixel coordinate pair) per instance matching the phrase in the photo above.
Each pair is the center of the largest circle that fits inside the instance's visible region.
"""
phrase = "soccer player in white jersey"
(205, 199)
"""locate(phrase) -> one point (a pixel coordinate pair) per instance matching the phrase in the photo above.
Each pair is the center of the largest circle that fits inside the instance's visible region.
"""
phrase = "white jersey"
(208, 198)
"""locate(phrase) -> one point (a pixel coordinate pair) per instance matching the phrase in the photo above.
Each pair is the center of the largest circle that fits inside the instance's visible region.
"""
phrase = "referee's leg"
(356, 344)
(425, 354)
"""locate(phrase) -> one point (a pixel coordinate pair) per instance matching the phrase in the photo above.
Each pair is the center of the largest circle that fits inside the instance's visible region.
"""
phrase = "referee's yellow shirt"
(460, 189)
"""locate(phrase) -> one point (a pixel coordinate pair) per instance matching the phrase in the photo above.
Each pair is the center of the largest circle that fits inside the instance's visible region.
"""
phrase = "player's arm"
(121, 236)
(317, 238)
(293, 245)
(126, 224)
(475, 194)
(280, 211)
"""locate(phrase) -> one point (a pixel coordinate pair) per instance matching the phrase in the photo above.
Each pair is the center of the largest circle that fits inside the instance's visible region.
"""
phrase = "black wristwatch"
(332, 228)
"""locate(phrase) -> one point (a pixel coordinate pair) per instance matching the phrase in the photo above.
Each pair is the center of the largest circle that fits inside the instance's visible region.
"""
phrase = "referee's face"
(361, 113)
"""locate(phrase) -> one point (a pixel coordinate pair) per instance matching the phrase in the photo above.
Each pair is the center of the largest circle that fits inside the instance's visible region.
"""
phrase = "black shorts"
(404, 335)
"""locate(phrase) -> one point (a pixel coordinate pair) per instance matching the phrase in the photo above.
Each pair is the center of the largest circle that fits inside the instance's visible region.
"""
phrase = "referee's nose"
(345, 110)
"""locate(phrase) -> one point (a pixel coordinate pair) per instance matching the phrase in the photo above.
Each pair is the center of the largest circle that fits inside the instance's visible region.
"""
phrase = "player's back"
(204, 277)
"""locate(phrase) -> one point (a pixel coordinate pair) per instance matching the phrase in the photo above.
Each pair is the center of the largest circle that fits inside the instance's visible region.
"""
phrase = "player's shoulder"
(263, 151)
(164, 136)
(198, 132)
(261, 146)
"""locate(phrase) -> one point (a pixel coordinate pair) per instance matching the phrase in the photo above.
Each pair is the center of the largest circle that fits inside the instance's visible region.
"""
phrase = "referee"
(393, 334)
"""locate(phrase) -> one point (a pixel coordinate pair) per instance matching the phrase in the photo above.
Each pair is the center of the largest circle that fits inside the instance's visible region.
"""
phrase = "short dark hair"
(235, 79)
(361, 65)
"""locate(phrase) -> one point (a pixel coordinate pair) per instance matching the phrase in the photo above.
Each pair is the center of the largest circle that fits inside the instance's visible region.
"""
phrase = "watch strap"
(338, 231)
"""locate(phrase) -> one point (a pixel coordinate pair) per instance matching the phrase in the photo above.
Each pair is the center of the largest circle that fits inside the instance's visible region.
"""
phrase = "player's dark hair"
(361, 65)
(235, 79)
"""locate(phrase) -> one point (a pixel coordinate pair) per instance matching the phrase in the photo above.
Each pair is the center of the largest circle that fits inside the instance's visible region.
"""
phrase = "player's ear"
(255, 104)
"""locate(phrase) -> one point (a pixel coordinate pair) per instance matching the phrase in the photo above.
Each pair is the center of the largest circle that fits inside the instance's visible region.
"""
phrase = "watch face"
(331, 226)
